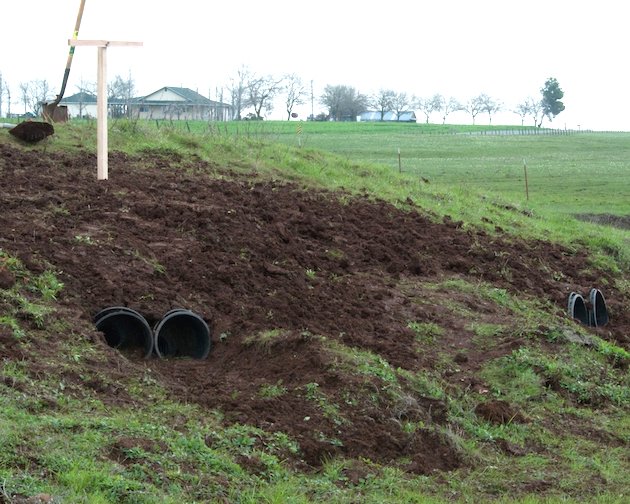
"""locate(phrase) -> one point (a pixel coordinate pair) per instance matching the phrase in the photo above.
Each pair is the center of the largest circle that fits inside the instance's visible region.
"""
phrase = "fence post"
(526, 182)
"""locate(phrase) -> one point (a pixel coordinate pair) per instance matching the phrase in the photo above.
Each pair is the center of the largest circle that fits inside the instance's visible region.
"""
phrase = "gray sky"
(459, 48)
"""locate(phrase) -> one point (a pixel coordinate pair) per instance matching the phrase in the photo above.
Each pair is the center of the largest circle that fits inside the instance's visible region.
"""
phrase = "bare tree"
(260, 93)
(383, 101)
(430, 105)
(236, 88)
(474, 106)
(400, 103)
(536, 111)
(1, 92)
(120, 88)
(8, 90)
(34, 94)
(85, 90)
(522, 110)
(489, 105)
(449, 106)
(296, 93)
(530, 107)
(121, 91)
(25, 92)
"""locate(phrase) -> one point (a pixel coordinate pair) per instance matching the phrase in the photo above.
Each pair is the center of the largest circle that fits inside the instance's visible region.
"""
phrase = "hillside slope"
(333, 316)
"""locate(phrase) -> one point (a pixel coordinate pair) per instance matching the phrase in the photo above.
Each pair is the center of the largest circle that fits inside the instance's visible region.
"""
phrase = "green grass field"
(575, 173)
(579, 172)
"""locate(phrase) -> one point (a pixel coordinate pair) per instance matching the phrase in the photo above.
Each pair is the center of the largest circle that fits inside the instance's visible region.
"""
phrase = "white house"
(179, 103)
(165, 103)
(80, 105)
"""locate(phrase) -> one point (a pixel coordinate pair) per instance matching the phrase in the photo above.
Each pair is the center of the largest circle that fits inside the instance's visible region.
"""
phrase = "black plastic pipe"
(182, 333)
(125, 329)
(599, 313)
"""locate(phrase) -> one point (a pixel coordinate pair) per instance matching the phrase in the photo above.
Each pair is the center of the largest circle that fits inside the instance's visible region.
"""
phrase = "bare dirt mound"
(285, 277)
(618, 221)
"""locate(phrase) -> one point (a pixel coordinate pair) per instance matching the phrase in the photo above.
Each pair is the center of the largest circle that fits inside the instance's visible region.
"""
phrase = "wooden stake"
(526, 183)
(101, 99)
(101, 115)
(399, 163)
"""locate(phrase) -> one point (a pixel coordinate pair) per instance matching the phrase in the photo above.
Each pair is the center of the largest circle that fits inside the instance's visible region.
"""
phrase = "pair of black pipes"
(180, 333)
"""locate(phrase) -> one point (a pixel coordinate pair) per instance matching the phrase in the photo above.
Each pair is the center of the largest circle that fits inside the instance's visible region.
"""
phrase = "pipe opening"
(577, 309)
(126, 330)
(182, 333)
(599, 310)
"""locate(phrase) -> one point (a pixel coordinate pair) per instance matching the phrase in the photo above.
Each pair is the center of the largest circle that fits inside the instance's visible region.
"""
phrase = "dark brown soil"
(32, 131)
(252, 256)
(498, 412)
(618, 221)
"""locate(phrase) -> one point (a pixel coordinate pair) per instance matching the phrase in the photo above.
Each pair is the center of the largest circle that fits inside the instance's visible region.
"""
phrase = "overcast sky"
(460, 48)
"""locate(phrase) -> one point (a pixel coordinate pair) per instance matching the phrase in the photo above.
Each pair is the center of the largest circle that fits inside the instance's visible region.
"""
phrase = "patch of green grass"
(84, 239)
(425, 332)
(264, 338)
(270, 391)
(15, 371)
(487, 335)
(158, 268)
(329, 409)
(362, 362)
(581, 374)
(48, 285)
(29, 298)
(10, 322)
(514, 380)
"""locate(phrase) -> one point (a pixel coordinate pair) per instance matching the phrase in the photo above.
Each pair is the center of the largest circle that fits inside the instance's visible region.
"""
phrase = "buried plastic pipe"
(125, 329)
(599, 313)
(577, 308)
(182, 333)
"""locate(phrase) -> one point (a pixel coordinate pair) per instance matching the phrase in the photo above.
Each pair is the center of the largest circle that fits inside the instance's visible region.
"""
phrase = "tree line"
(346, 103)
(248, 90)
(32, 95)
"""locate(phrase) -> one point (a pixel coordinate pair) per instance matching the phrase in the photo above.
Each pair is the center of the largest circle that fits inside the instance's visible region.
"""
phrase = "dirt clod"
(32, 131)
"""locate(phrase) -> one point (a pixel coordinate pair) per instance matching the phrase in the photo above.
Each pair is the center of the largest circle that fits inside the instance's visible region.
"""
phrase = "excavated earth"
(285, 278)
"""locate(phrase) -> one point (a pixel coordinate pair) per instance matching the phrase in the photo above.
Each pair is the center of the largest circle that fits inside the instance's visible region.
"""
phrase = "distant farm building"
(80, 105)
(179, 103)
(165, 103)
(370, 116)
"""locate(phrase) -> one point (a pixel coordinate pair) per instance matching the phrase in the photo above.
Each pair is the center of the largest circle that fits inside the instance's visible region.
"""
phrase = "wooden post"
(102, 168)
(526, 182)
(399, 162)
(101, 99)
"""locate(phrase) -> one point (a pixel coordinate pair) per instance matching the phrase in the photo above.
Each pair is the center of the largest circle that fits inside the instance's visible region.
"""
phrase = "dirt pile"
(288, 279)
(32, 131)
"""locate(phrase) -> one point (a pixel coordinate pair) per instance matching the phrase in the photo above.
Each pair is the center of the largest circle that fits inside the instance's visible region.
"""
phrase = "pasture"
(578, 172)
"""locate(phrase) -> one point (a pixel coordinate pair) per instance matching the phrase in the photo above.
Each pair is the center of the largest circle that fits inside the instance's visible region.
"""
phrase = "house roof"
(188, 95)
(81, 97)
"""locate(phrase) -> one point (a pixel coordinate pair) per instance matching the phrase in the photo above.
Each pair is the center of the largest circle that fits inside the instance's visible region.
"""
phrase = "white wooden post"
(101, 115)
(101, 99)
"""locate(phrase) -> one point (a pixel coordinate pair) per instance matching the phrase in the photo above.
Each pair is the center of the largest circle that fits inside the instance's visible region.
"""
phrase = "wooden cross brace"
(101, 98)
